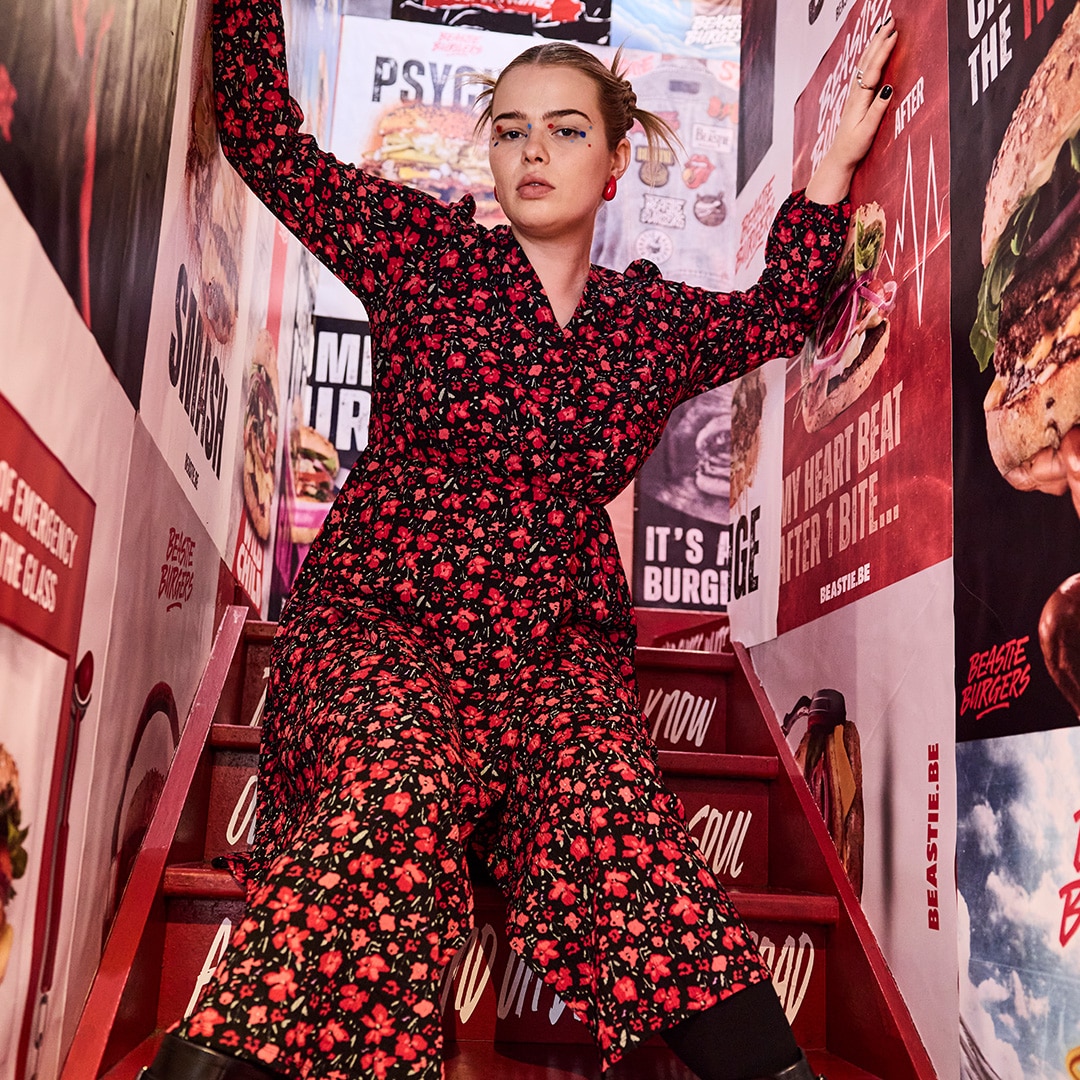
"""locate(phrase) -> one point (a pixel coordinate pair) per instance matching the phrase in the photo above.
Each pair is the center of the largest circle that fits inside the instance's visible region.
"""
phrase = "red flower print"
(398, 802)
(371, 967)
(282, 984)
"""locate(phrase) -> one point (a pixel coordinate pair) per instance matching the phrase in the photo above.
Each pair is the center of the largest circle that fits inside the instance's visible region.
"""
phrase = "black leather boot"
(799, 1071)
(178, 1059)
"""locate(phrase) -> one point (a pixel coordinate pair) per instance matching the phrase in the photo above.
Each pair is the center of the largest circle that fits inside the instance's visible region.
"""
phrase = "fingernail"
(885, 92)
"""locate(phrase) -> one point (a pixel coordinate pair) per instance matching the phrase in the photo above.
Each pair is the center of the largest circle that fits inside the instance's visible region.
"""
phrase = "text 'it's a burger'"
(1028, 318)
(842, 356)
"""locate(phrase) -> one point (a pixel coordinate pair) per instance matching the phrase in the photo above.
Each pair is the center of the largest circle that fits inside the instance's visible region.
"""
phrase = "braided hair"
(618, 102)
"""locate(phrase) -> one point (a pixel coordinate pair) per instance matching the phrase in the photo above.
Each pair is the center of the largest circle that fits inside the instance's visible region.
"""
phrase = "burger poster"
(585, 21)
(193, 384)
(411, 116)
(679, 214)
(1015, 116)
(327, 421)
(46, 525)
(866, 459)
(211, 386)
(86, 93)
(874, 742)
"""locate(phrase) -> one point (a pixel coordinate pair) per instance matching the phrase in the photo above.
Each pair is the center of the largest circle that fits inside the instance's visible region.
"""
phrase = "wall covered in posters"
(841, 480)
(898, 539)
(114, 558)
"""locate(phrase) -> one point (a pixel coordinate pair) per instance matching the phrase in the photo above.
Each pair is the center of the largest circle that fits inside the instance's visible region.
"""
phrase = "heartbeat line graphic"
(933, 202)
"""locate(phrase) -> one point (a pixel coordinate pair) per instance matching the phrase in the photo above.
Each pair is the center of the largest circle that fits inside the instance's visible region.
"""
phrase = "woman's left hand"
(868, 98)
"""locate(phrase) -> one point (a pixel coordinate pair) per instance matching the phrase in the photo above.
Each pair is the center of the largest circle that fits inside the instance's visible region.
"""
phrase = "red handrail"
(87, 1049)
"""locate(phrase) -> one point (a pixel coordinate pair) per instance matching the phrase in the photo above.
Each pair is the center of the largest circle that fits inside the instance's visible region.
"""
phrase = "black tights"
(743, 1037)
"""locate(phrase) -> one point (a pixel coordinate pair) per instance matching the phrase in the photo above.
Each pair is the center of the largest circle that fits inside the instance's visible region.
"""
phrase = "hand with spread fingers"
(867, 100)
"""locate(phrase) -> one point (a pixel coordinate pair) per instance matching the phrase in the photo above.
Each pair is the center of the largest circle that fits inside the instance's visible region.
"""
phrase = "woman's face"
(548, 150)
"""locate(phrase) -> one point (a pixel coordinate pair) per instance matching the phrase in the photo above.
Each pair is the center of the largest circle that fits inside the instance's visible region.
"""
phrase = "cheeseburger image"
(261, 434)
(844, 353)
(315, 465)
(1028, 318)
(12, 852)
(712, 447)
(434, 149)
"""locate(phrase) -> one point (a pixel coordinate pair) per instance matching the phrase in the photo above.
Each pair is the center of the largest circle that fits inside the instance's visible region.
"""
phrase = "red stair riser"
(256, 669)
(686, 710)
(195, 935)
(796, 956)
(488, 994)
(232, 802)
(729, 820)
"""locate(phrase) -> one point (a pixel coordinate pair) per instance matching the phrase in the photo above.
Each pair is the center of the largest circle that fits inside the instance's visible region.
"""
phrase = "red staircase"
(747, 807)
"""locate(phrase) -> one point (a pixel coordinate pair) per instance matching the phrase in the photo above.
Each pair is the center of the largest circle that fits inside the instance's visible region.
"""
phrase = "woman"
(455, 666)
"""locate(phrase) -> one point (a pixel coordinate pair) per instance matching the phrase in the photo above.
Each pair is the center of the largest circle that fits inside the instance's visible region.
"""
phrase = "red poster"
(867, 436)
(45, 525)
(46, 522)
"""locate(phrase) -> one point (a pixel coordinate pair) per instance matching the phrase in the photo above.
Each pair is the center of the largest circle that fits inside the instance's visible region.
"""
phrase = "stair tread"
(684, 659)
(236, 737)
(675, 762)
(469, 1060)
(259, 630)
(203, 881)
(719, 766)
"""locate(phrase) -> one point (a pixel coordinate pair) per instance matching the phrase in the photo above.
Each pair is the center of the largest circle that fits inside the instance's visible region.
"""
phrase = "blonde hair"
(618, 102)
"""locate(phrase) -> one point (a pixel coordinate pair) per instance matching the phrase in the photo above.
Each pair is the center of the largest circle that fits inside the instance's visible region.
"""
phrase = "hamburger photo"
(1028, 316)
(261, 434)
(747, 406)
(712, 448)
(842, 356)
(315, 464)
(12, 852)
(434, 149)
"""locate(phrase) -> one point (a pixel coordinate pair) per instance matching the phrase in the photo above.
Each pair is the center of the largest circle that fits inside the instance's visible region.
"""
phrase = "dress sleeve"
(366, 229)
(729, 333)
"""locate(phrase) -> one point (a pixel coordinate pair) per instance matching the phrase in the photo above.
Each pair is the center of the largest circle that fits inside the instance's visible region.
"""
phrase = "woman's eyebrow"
(554, 114)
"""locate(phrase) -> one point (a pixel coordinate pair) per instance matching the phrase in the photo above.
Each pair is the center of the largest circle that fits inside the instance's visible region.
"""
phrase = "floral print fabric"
(455, 666)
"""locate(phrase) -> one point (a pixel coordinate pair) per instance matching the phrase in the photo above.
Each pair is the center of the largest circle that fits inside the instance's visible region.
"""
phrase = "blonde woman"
(455, 667)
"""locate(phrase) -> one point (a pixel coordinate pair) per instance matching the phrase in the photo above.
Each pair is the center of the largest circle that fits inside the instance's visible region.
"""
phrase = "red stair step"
(726, 798)
(488, 994)
(231, 806)
(468, 1060)
(684, 695)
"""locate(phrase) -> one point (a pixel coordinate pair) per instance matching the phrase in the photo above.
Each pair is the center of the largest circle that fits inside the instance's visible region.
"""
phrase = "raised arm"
(364, 228)
(739, 330)
(733, 332)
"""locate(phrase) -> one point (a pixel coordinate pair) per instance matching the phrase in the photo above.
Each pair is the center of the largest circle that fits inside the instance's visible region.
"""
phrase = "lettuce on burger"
(848, 345)
(1028, 318)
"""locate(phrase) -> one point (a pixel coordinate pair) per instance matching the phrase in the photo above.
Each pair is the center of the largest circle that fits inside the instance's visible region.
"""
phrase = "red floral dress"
(455, 666)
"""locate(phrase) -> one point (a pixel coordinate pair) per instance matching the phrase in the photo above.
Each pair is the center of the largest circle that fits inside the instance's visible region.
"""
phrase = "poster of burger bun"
(849, 343)
(1016, 379)
(261, 434)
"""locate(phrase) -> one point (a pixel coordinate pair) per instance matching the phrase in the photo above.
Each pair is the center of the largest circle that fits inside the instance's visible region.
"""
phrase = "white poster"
(883, 768)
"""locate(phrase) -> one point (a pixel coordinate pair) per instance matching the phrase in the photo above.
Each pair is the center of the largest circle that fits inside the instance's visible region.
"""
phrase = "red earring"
(609, 189)
(495, 192)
